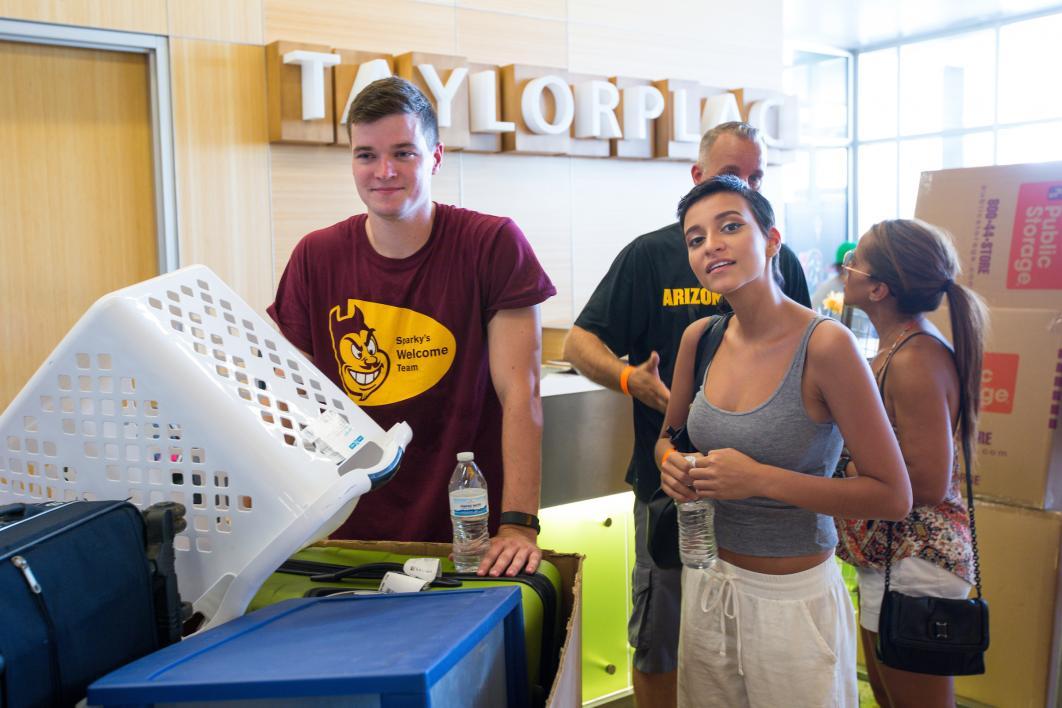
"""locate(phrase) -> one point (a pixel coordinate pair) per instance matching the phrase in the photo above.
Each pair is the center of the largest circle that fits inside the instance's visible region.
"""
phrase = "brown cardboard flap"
(1005, 221)
(1019, 440)
(1020, 554)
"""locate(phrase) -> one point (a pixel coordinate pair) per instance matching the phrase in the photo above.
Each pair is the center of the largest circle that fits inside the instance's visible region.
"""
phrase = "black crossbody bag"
(662, 529)
(935, 635)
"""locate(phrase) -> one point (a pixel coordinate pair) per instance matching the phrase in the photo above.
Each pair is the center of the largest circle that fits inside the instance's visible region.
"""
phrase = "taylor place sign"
(516, 108)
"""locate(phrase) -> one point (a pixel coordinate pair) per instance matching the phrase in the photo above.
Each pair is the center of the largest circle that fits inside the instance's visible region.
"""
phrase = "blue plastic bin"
(461, 648)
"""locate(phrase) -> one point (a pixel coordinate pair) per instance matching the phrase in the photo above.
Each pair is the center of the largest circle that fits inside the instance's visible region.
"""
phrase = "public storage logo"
(1034, 262)
(999, 376)
(387, 354)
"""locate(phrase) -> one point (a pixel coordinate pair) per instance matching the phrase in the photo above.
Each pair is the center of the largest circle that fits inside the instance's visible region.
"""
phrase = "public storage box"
(419, 649)
(1020, 555)
(1019, 441)
(567, 689)
(1006, 221)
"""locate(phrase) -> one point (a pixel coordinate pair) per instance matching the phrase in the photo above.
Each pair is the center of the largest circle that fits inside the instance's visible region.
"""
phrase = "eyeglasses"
(846, 263)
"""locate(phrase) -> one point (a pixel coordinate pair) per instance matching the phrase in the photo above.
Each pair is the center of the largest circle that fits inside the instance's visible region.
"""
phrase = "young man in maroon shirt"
(427, 313)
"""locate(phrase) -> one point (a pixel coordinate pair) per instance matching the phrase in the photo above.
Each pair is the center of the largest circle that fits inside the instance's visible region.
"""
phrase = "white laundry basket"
(175, 389)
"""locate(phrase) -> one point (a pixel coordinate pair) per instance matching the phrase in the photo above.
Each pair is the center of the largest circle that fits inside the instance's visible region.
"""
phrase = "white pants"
(757, 640)
(911, 576)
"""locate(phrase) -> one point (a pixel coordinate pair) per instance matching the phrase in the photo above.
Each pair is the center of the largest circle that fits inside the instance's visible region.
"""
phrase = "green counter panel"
(603, 530)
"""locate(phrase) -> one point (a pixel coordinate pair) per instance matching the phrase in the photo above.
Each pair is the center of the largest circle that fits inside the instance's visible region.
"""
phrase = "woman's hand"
(675, 477)
(727, 474)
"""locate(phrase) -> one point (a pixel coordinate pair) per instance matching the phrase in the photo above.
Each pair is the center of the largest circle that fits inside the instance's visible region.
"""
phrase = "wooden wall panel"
(748, 22)
(228, 21)
(553, 343)
(77, 203)
(712, 43)
(312, 188)
(129, 15)
(547, 9)
(222, 161)
(496, 38)
(536, 193)
(395, 26)
(615, 206)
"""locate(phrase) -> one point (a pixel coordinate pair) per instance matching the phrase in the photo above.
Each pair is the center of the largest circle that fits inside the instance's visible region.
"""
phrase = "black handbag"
(935, 635)
(662, 527)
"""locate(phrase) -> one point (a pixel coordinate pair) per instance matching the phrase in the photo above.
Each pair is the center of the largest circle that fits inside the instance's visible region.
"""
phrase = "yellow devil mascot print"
(387, 354)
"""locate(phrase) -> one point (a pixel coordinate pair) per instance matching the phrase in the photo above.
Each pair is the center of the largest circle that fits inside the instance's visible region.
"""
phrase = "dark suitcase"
(86, 587)
(321, 571)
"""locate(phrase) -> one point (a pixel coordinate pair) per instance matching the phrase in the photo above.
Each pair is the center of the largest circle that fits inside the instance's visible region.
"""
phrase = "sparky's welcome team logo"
(387, 354)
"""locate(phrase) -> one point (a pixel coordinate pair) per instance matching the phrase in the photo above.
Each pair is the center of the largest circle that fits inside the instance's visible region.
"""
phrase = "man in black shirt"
(640, 310)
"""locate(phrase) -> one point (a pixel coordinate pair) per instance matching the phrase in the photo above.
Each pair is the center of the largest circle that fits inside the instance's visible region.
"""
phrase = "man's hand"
(645, 384)
(598, 363)
(514, 549)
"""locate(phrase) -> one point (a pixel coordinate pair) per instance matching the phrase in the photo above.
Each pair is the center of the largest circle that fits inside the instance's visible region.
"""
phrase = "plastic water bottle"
(468, 512)
(696, 523)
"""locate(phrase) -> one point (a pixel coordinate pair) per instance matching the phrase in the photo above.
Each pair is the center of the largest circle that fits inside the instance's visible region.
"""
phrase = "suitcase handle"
(375, 571)
(16, 512)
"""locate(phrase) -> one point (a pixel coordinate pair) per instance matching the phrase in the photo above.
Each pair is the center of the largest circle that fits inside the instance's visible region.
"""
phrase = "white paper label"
(398, 583)
(335, 433)
(468, 502)
(423, 568)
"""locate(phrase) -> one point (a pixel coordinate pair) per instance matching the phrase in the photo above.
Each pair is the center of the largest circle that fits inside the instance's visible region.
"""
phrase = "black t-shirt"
(644, 304)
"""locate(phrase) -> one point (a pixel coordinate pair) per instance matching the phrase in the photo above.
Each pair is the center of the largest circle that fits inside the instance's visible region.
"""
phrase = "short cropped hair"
(735, 127)
(391, 96)
(761, 209)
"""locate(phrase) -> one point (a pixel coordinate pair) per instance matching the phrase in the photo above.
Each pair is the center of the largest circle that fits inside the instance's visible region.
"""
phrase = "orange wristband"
(663, 458)
(624, 375)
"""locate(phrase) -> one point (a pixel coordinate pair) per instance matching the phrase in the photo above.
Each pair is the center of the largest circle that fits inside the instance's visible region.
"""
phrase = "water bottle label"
(468, 502)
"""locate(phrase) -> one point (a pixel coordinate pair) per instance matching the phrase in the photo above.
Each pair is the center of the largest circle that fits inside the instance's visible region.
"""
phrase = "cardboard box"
(1019, 439)
(567, 690)
(1007, 224)
(1021, 550)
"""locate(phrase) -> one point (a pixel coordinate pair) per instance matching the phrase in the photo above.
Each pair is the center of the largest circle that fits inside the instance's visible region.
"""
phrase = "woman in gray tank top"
(771, 622)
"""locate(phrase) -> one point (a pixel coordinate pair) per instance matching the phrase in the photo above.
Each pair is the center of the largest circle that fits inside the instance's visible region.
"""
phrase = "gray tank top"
(778, 432)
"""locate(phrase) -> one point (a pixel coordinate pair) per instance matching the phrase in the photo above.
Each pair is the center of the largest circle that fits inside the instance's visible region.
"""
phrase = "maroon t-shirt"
(406, 339)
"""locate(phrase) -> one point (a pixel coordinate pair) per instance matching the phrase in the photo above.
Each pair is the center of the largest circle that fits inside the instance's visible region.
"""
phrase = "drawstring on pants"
(730, 609)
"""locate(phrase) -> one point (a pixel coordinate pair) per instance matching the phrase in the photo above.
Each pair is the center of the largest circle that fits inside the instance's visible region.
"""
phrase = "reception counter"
(587, 439)
(586, 509)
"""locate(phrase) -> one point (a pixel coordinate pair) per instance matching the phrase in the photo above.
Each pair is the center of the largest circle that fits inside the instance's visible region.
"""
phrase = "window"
(813, 204)
(933, 104)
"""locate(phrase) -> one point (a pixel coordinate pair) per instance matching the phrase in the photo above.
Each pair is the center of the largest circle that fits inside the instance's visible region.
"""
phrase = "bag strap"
(967, 452)
(707, 346)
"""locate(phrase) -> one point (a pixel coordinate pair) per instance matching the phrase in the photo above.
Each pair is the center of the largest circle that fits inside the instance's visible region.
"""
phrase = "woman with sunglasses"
(770, 623)
(899, 271)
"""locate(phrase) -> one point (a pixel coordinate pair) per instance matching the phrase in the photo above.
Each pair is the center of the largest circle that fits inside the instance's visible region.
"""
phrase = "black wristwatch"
(519, 518)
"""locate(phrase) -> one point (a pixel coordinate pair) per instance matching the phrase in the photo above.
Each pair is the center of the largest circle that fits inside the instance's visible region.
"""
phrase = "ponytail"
(919, 263)
(968, 320)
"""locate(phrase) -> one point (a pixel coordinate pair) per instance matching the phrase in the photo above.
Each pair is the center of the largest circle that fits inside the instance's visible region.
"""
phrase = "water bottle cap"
(465, 457)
